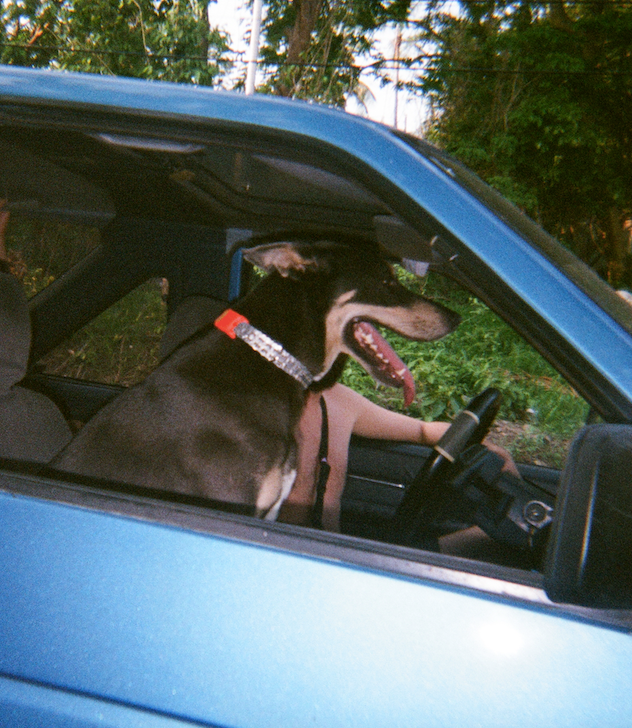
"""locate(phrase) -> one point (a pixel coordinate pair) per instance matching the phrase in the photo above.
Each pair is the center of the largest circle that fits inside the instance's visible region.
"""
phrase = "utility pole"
(253, 52)
(396, 54)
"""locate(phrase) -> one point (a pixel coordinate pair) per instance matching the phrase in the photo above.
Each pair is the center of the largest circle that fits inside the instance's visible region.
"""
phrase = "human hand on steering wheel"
(429, 492)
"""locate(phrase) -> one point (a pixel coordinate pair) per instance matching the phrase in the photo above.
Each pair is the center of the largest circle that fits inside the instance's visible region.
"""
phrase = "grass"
(120, 346)
(49, 248)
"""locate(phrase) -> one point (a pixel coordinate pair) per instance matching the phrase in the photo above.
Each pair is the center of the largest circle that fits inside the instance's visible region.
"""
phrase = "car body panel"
(228, 633)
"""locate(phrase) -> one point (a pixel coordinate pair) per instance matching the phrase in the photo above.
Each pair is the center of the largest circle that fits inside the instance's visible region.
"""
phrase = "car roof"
(236, 178)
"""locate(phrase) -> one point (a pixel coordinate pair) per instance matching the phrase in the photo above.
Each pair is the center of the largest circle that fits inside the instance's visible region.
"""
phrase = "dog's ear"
(286, 258)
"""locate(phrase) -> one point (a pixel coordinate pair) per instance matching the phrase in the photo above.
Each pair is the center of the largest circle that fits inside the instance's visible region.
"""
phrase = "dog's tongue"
(389, 367)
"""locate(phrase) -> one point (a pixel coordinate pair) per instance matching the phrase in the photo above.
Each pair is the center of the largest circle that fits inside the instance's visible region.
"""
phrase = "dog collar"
(237, 326)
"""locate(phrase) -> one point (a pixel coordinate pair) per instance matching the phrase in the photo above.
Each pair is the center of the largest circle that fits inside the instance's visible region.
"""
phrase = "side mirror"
(589, 557)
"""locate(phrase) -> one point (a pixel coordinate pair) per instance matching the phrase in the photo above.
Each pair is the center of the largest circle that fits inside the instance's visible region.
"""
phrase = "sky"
(235, 17)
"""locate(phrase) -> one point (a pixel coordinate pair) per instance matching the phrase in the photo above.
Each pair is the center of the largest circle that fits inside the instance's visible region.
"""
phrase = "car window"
(118, 347)
(540, 411)
(40, 251)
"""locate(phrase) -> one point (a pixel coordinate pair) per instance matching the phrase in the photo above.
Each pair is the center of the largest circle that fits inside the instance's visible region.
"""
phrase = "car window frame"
(428, 567)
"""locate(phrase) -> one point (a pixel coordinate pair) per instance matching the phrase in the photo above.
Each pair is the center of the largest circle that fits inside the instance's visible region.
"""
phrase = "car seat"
(192, 310)
(32, 428)
(191, 315)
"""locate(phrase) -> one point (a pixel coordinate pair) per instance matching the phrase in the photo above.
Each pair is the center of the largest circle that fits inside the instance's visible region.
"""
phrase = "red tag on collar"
(228, 320)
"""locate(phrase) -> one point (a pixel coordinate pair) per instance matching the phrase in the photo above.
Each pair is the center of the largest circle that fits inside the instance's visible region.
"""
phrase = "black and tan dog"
(217, 417)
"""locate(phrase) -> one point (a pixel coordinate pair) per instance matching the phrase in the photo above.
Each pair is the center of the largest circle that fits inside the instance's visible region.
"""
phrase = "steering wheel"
(426, 497)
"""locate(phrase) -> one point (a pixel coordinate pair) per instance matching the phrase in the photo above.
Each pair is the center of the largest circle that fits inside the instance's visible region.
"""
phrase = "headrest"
(191, 315)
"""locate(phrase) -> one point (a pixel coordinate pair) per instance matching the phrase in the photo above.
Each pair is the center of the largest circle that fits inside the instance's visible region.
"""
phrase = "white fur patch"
(275, 488)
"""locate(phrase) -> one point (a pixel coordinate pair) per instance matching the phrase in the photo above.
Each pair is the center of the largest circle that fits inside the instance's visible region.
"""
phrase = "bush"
(483, 352)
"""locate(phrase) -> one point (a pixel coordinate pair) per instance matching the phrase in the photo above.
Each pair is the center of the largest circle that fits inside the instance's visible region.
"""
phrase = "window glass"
(40, 251)
(540, 411)
(118, 347)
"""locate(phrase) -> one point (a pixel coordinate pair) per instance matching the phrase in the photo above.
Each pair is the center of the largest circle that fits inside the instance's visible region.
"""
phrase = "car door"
(120, 607)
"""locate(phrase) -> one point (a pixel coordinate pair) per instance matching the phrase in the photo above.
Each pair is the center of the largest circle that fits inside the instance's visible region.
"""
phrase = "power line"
(534, 72)
(567, 4)
(110, 51)
(383, 64)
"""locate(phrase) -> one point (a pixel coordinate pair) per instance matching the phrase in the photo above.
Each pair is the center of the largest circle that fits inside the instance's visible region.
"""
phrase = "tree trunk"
(299, 37)
(617, 244)
(301, 32)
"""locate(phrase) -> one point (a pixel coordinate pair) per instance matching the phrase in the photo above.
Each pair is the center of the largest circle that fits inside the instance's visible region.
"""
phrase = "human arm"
(370, 420)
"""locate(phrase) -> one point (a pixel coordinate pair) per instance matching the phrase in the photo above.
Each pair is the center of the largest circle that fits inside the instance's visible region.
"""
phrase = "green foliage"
(538, 103)
(120, 346)
(317, 60)
(168, 40)
(483, 352)
(48, 249)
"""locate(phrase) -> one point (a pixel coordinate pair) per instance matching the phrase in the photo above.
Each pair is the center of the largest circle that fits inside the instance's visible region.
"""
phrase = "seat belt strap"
(324, 468)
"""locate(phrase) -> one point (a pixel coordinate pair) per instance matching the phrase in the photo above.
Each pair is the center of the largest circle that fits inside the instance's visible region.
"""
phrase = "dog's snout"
(434, 321)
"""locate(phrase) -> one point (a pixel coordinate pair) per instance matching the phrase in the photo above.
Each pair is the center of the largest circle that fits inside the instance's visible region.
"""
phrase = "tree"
(537, 99)
(314, 44)
(168, 39)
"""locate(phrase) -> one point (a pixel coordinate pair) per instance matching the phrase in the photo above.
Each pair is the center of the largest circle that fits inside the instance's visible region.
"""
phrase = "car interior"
(99, 209)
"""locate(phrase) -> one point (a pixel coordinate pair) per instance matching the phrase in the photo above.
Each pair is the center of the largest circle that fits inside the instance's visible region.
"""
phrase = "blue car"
(121, 606)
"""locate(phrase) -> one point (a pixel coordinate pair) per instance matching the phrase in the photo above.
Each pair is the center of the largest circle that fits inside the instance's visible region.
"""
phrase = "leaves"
(169, 40)
(538, 103)
(316, 59)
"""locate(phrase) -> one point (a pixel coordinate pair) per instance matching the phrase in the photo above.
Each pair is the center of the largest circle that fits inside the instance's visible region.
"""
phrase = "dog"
(217, 418)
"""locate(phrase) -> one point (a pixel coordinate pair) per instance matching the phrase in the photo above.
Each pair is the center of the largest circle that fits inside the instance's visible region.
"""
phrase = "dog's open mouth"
(380, 359)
